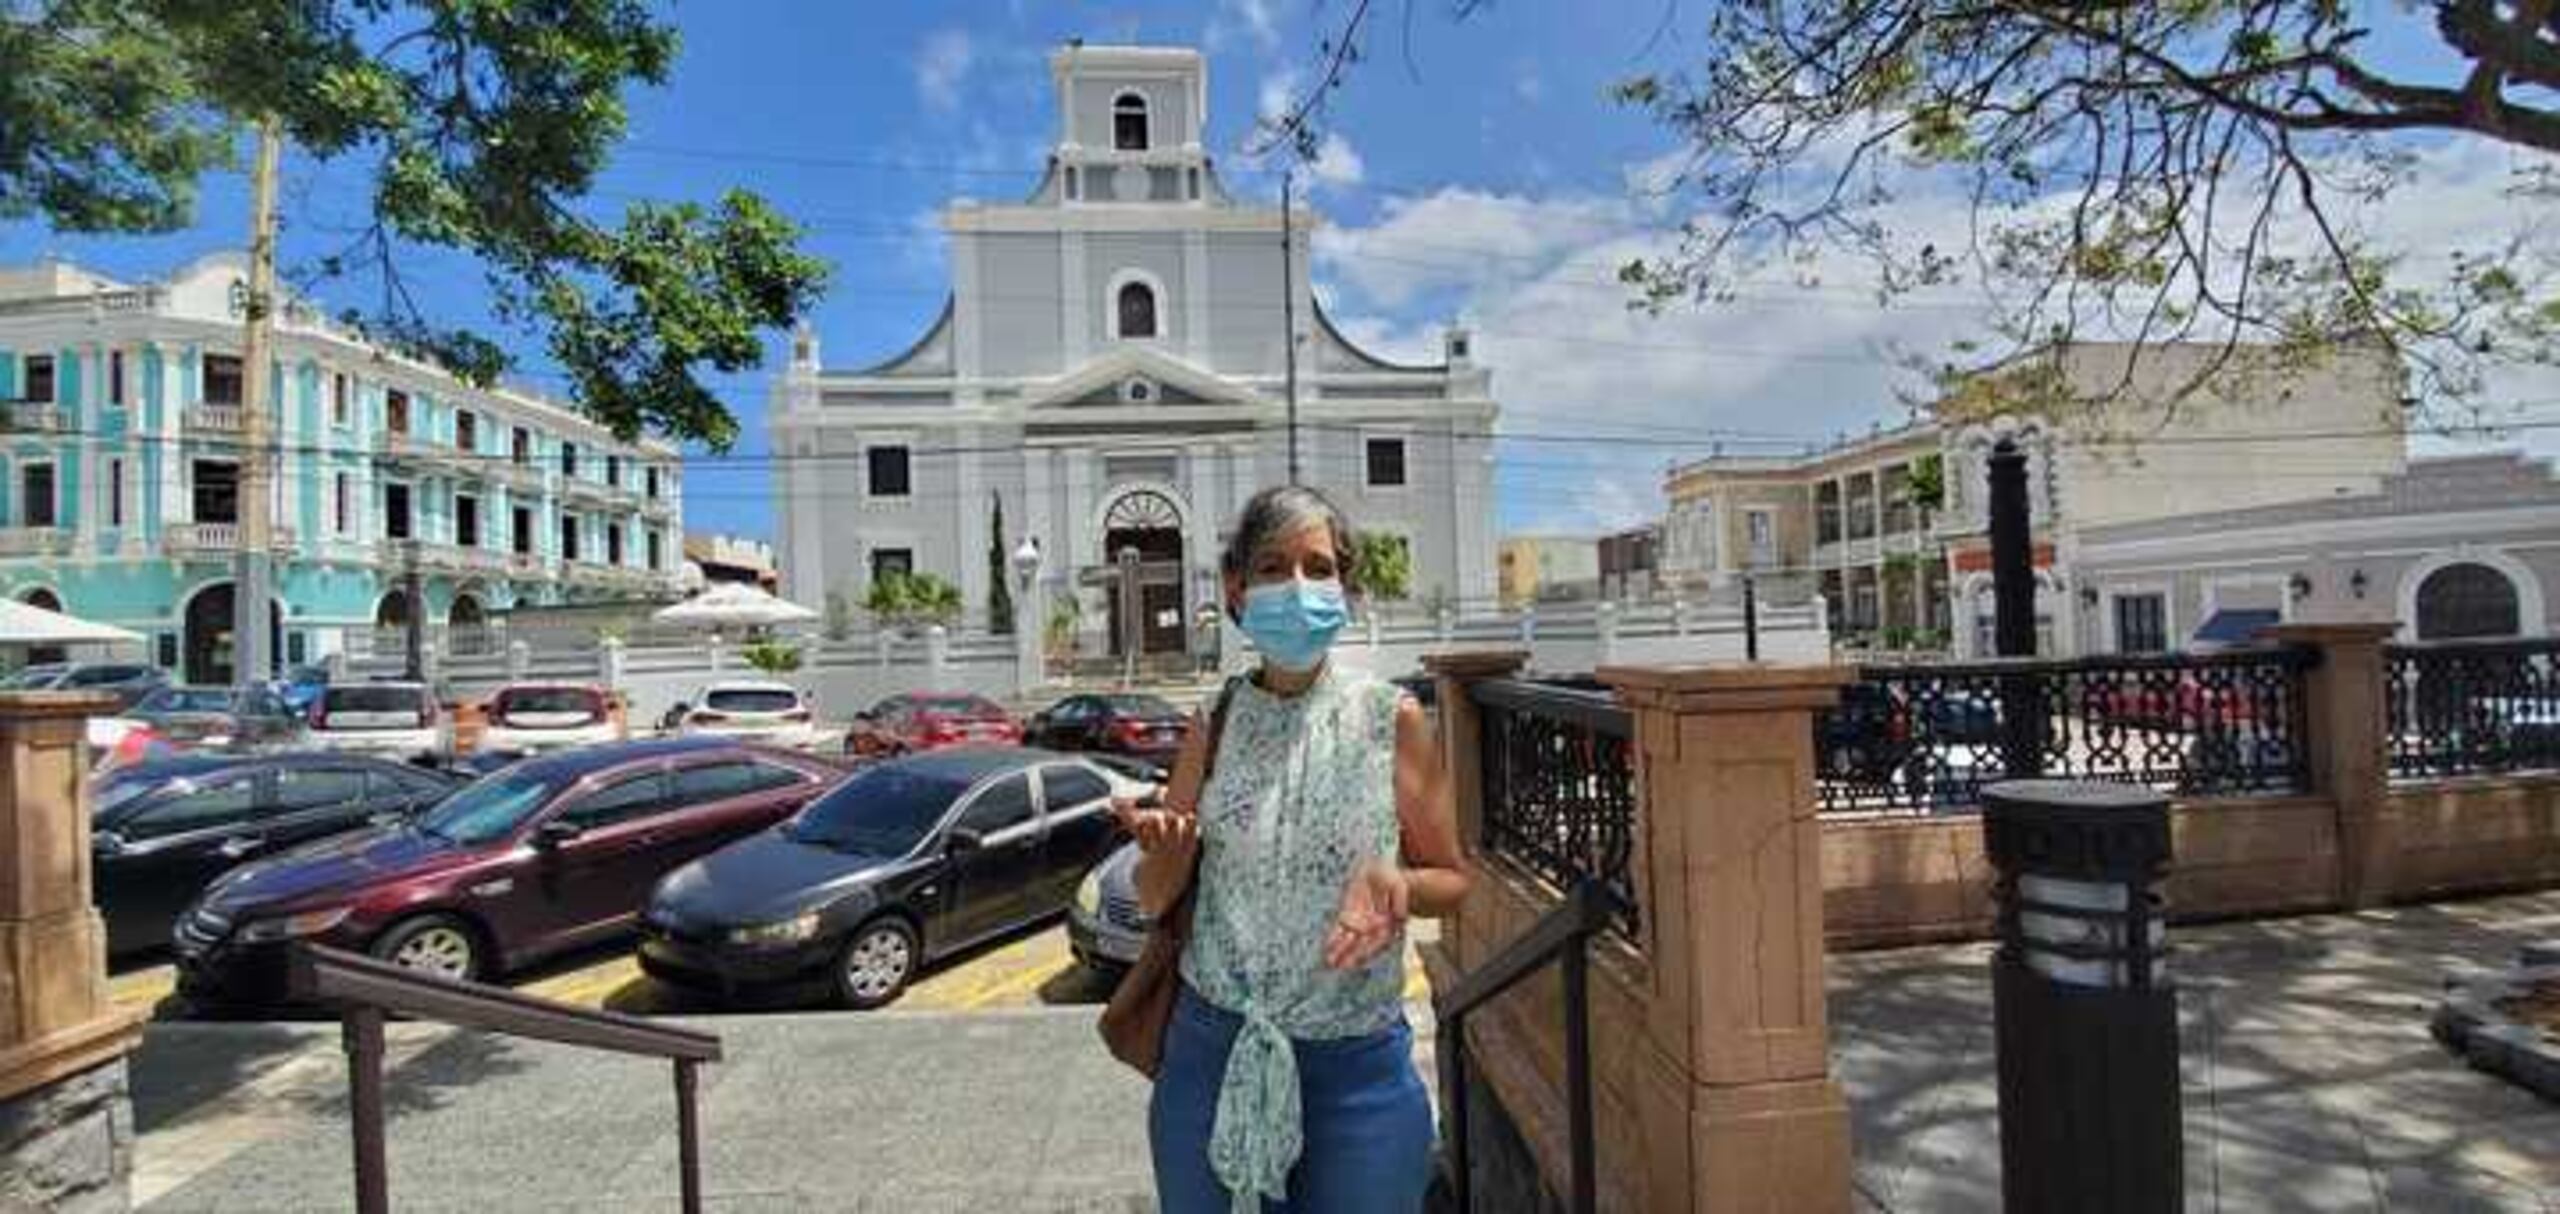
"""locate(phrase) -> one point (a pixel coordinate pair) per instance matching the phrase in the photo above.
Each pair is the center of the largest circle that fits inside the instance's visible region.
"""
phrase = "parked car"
(1105, 928)
(394, 719)
(530, 718)
(243, 719)
(301, 686)
(165, 829)
(541, 856)
(760, 710)
(926, 720)
(128, 682)
(906, 862)
(1143, 727)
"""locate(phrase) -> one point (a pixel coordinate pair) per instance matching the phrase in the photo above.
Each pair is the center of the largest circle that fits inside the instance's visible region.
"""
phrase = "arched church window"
(1137, 310)
(1129, 123)
(2465, 601)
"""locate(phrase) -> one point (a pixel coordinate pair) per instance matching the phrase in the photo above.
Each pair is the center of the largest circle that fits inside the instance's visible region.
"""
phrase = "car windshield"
(752, 699)
(487, 810)
(1145, 707)
(373, 699)
(885, 811)
(960, 706)
(526, 701)
(188, 699)
(119, 792)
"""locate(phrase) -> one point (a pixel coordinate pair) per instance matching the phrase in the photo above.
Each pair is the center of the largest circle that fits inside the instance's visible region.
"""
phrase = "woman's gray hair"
(1281, 511)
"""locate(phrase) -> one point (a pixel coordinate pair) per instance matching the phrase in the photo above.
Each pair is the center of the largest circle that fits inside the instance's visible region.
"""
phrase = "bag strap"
(1180, 916)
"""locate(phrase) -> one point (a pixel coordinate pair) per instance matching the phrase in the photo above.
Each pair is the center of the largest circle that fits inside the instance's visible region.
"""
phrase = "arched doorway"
(43, 655)
(1145, 585)
(2468, 600)
(467, 624)
(210, 651)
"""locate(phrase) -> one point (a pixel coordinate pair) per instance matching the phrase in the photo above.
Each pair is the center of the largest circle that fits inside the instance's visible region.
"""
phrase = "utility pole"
(253, 597)
(1289, 306)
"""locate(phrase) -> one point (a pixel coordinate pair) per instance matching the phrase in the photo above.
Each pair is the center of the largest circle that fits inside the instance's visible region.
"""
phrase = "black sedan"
(1142, 727)
(165, 829)
(247, 719)
(905, 863)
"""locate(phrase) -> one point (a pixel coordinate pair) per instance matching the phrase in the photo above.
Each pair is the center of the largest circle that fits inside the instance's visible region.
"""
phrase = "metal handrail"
(370, 990)
(1562, 936)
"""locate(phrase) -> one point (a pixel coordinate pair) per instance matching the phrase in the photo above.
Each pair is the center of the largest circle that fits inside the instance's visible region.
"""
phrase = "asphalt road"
(1033, 969)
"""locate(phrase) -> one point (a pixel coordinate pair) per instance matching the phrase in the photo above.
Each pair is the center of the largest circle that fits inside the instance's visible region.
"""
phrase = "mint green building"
(120, 453)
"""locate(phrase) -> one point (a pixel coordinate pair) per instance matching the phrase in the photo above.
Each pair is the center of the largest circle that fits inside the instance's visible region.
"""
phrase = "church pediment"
(1140, 377)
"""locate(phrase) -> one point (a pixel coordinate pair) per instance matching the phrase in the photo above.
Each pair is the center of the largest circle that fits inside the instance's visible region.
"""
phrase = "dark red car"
(926, 720)
(1143, 727)
(528, 861)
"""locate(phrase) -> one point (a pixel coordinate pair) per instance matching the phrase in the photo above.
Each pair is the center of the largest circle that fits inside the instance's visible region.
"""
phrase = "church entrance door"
(1145, 588)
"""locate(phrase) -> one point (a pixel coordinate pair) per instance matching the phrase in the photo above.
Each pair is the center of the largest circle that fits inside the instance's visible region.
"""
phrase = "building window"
(613, 470)
(217, 492)
(888, 468)
(39, 386)
(395, 512)
(520, 446)
(649, 477)
(115, 377)
(1826, 513)
(35, 490)
(1386, 463)
(395, 411)
(2467, 600)
(341, 504)
(613, 543)
(2142, 623)
(466, 521)
(466, 430)
(222, 379)
(568, 458)
(568, 537)
(1134, 307)
(342, 400)
(657, 549)
(1760, 537)
(115, 493)
(887, 563)
(520, 532)
(1129, 123)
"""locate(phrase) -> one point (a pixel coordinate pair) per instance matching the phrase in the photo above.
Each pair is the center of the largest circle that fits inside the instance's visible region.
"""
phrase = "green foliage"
(1382, 566)
(1058, 631)
(908, 600)
(999, 575)
(1929, 482)
(771, 657)
(482, 126)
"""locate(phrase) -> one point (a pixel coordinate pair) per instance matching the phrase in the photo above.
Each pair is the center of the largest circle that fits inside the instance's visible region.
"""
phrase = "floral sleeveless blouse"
(1303, 790)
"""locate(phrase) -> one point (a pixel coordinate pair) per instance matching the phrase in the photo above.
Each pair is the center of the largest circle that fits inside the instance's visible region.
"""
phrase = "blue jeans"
(1368, 1120)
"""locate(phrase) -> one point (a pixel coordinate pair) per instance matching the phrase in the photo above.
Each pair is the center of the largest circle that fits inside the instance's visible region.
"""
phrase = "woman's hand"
(1371, 916)
(1158, 830)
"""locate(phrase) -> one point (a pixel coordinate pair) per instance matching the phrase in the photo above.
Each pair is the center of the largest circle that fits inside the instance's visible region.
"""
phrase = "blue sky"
(1480, 172)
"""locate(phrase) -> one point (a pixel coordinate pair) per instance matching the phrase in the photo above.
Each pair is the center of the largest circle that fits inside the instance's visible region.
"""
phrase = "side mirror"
(556, 832)
(107, 843)
(962, 841)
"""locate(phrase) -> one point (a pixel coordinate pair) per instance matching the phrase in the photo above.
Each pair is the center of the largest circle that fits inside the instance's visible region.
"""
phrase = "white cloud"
(942, 65)
(1279, 92)
(1250, 20)
(1527, 83)
(1336, 164)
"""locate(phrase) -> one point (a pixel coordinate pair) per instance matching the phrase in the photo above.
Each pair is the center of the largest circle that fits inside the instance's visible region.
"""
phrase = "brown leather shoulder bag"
(1133, 1023)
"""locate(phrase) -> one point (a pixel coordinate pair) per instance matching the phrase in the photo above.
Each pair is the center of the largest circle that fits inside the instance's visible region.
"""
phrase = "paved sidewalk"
(2311, 1085)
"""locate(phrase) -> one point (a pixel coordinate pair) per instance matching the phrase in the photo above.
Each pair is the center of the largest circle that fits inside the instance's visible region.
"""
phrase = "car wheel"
(875, 966)
(439, 946)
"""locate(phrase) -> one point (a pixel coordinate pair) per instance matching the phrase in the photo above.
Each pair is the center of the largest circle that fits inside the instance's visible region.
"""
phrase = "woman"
(1324, 822)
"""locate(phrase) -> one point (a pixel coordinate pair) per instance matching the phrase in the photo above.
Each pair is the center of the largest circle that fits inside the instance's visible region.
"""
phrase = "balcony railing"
(515, 477)
(208, 418)
(2473, 707)
(186, 539)
(35, 541)
(1559, 786)
(34, 419)
(409, 448)
(527, 565)
(1928, 737)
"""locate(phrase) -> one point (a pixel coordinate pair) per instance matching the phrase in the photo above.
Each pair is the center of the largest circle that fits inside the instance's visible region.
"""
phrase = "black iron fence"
(2473, 707)
(1926, 738)
(1559, 785)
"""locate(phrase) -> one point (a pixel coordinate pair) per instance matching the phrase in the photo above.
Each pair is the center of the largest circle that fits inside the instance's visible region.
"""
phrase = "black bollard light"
(2085, 1017)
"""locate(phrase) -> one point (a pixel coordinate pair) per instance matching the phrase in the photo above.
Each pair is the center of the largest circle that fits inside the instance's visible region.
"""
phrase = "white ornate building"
(1110, 374)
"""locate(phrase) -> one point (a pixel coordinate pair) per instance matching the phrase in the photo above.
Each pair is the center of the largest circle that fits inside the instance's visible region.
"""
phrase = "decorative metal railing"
(1559, 786)
(2473, 707)
(1925, 738)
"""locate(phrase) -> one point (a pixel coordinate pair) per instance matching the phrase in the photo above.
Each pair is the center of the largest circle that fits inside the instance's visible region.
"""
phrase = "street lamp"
(1026, 563)
(1029, 662)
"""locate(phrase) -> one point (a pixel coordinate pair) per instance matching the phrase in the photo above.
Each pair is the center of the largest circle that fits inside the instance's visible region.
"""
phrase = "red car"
(531, 860)
(922, 720)
(1143, 727)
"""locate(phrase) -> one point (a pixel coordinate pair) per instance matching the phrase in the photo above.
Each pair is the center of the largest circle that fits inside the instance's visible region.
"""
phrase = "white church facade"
(1110, 374)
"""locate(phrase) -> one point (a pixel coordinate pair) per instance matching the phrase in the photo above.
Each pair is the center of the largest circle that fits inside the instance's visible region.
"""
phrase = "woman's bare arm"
(1169, 837)
(1435, 865)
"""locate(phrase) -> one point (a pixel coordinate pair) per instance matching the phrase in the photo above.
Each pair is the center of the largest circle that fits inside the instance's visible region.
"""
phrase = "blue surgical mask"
(1293, 623)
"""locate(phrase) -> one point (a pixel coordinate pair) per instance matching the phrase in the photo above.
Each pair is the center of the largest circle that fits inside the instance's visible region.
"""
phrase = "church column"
(1471, 503)
(975, 514)
(1195, 296)
(1200, 536)
(967, 312)
(1036, 518)
(1080, 538)
(1075, 318)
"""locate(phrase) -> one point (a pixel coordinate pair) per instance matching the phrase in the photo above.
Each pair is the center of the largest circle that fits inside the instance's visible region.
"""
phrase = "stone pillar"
(1604, 623)
(609, 663)
(1731, 884)
(66, 1124)
(519, 659)
(1461, 727)
(2347, 730)
(937, 654)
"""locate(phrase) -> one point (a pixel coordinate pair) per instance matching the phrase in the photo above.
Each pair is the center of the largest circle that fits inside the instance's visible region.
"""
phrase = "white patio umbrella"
(734, 605)
(26, 624)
